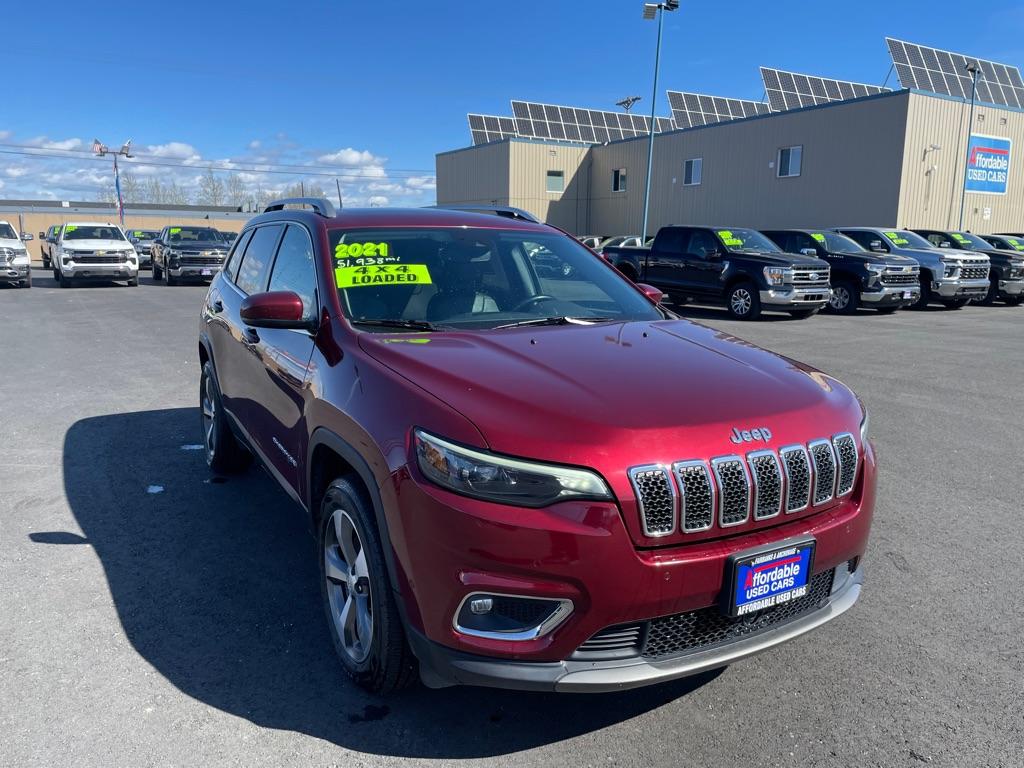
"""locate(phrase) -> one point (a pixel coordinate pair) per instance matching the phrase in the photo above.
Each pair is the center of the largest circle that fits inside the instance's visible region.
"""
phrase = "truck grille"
(811, 278)
(695, 495)
(974, 273)
(202, 259)
(900, 278)
(90, 257)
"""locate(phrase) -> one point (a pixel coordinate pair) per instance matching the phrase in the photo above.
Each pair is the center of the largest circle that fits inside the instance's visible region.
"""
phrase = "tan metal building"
(893, 159)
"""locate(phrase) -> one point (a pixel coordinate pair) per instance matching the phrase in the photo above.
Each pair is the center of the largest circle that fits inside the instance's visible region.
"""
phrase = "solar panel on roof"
(945, 72)
(790, 90)
(589, 126)
(695, 109)
(487, 128)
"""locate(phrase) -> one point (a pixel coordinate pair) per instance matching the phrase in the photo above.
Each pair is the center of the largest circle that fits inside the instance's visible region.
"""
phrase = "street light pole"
(649, 10)
(974, 70)
(102, 150)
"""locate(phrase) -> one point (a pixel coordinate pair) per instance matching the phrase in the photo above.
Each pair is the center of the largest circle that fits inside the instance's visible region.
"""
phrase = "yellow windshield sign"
(895, 237)
(818, 236)
(70, 228)
(728, 239)
(355, 250)
(175, 230)
(960, 237)
(382, 274)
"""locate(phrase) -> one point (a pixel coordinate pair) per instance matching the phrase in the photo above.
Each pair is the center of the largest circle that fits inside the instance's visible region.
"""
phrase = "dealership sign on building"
(988, 164)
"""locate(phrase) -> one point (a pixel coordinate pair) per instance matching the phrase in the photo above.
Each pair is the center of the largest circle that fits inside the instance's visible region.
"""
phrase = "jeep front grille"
(973, 273)
(696, 495)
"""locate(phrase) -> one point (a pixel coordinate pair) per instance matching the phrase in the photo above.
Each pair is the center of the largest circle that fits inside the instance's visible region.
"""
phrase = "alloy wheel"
(209, 406)
(740, 301)
(348, 586)
(840, 298)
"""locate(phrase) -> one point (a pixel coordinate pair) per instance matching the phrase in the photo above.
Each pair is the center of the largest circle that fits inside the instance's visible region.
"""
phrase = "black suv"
(1006, 277)
(885, 282)
(738, 267)
(183, 253)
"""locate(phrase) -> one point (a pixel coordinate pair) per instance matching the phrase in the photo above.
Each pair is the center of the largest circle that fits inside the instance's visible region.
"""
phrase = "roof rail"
(505, 211)
(320, 205)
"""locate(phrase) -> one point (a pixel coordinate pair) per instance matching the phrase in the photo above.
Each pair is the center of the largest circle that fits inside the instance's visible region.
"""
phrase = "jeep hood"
(651, 391)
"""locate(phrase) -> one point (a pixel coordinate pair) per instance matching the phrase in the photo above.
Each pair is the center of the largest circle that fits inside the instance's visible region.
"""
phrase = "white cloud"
(176, 150)
(254, 144)
(15, 171)
(5, 135)
(421, 183)
(378, 200)
(43, 142)
(351, 157)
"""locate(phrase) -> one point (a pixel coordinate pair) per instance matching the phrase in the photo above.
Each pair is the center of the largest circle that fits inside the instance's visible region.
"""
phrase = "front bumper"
(447, 547)
(124, 271)
(1011, 287)
(442, 666)
(892, 295)
(801, 298)
(961, 289)
(14, 273)
(195, 272)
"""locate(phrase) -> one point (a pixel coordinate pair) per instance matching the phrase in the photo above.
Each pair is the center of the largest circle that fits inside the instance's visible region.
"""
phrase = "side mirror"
(808, 252)
(945, 244)
(876, 246)
(27, 237)
(273, 309)
(42, 235)
(651, 292)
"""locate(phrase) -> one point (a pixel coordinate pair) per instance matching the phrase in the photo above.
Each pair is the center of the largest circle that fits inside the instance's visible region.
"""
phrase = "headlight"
(501, 479)
(864, 429)
(951, 268)
(776, 275)
(876, 268)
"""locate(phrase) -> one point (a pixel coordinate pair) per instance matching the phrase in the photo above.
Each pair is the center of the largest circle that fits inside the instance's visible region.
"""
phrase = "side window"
(790, 161)
(619, 180)
(294, 269)
(865, 239)
(936, 239)
(702, 244)
(799, 241)
(252, 274)
(672, 241)
(235, 257)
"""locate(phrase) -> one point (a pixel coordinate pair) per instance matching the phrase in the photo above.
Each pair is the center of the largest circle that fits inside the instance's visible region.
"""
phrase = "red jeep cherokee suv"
(522, 471)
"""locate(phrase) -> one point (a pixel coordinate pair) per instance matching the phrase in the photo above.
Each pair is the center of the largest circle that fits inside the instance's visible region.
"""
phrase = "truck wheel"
(65, 282)
(802, 314)
(133, 281)
(170, 279)
(845, 299)
(1014, 301)
(744, 302)
(224, 454)
(926, 295)
(46, 262)
(992, 295)
(157, 272)
(361, 612)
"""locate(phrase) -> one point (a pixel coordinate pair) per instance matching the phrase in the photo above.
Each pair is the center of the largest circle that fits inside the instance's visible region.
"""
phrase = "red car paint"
(605, 397)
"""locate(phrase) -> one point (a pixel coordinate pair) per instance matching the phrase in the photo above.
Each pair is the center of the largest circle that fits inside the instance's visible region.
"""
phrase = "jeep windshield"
(87, 232)
(746, 241)
(183, 235)
(424, 279)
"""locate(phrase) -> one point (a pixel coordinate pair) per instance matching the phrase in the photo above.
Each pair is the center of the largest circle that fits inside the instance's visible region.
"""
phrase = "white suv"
(88, 250)
(15, 266)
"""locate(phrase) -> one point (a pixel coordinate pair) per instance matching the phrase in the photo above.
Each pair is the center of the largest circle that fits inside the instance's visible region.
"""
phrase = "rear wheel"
(224, 454)
(361, 611)
(845, 298)
(744, 302)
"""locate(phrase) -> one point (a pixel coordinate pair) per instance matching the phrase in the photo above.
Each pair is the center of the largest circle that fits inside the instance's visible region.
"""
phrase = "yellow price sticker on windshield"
(355, 250)
(1015, 243)
(725, 234)
(382, 274)
(175, 230)
(70, 228)
(960, 237)
(818, 236)
(895, 237)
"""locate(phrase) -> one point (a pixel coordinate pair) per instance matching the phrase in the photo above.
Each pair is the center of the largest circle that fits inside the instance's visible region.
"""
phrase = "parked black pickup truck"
(738, 267)
(859, 277)
(1006, 277)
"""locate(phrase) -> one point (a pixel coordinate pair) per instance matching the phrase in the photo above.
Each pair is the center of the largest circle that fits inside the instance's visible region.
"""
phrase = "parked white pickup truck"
(93, 251)
(15, 265)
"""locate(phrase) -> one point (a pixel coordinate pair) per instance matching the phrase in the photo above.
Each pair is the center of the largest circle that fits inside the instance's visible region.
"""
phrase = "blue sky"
(375, 89)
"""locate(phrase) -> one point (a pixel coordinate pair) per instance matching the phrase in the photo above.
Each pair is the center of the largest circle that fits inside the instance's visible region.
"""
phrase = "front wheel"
(926, 295)
(361, 611)
(845, 299)
(992, 295)
(133, 282)
(46, 263)
(65, 282)
(1014, 301)
(157, 272)
(171, 280)
(224, 454)
(744, 302)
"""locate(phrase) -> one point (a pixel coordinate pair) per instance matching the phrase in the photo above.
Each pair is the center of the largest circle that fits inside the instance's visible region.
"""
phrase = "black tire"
(65, 282)
(802, 314)
(887, 310)
(386, 664)
(926, 293)
(743, 301)
(27, 282)
(133, 282)
(170, 279)
(956, 303)
(1014, 301)
(224, 454)
(46, 262)
(992, 295)
(845, 298)
(157, 272)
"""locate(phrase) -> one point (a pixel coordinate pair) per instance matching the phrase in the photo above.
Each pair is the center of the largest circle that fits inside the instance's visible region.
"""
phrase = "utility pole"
(650, 11)
(338, 185)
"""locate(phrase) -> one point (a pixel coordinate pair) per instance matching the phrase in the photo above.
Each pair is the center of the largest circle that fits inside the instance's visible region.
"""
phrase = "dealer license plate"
(770, 576)
(908, 295)
(207, 272)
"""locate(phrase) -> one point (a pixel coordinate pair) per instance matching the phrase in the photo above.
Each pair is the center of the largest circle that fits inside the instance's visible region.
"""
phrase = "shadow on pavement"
(216, 585)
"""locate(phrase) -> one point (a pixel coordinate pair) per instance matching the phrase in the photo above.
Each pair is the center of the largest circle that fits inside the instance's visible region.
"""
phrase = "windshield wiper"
(560, 320)
(413, 325)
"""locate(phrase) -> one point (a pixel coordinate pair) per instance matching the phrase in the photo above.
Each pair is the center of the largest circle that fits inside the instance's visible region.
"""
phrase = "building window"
(789, 161)
(556, 181)
(692, 171)
(619, 180)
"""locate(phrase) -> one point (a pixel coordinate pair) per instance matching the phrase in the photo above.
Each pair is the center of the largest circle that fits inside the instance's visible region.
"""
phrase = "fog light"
(510, 617)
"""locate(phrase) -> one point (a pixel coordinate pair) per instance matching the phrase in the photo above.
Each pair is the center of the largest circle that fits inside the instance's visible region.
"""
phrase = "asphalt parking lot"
(153, 615)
